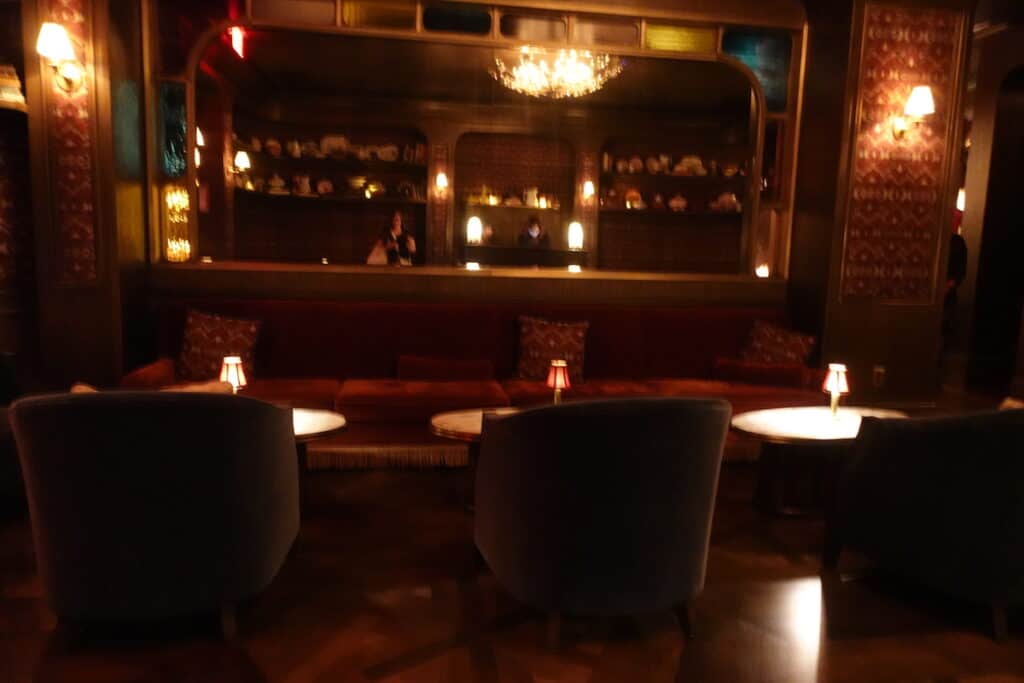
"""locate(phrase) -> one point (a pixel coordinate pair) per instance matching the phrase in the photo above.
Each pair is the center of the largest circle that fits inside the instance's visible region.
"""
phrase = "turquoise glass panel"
(768, 54)
(173, 122)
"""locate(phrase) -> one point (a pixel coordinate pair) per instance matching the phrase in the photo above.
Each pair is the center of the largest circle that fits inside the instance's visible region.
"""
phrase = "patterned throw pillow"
(208, 338)
(772, 344)
(541, 341)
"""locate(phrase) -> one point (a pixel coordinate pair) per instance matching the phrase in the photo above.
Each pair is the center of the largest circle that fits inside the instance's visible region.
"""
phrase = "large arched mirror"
(312, 147)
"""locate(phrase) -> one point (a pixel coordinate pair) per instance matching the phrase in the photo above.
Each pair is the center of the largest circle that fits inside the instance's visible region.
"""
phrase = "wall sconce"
(54, 44)
(763, 270)
(474, 230)
(575, 237)
(242, 163)
(587, 191)
(961, 200)
(200, 140)
(919, 105)
(441, 184)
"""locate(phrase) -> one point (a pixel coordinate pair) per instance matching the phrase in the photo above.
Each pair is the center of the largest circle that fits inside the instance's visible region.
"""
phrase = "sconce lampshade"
(474, 230)
(835, 380)
(588, 189)
(232, 372)
(54, 44)
(558, 375)
(242, 162)
(575, 236)
(920, 103)
(200, 140)
(441, 181)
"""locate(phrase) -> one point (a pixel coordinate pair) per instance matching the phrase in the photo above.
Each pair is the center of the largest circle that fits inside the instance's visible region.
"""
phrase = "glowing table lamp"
(232, 372)
(836, 384)
(558, 378)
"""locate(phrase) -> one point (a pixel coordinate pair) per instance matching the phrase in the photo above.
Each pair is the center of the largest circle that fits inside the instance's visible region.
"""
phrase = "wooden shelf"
(674, 215)
(334, 199)
(472, 207)
(682, 179)
(335, 163)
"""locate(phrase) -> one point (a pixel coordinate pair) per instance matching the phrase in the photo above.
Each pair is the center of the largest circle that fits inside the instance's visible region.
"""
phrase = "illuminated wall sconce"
(587, 191)
(242, 163)
(961, 200)
(575, 268)
(919, 105)
(575, 237)
(200, 140)
(55, 46)
(474, 230)
(237, 35)
(472, 265)
(763, 270)
(176, 207)
(198, 157)
(441, 184)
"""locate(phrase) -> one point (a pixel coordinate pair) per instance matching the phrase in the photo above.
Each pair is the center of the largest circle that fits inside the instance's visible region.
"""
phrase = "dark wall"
(819, 160)
(1000, 287)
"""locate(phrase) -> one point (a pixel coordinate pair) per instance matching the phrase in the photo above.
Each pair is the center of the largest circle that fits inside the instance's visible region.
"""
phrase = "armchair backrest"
(147, 503)
(954, 486)
(601, 506)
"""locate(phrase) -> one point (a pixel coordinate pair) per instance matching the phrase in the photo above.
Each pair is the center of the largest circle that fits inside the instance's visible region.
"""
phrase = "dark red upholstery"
(444, 369)
(341, 339)
(391, 400)
(344, 354)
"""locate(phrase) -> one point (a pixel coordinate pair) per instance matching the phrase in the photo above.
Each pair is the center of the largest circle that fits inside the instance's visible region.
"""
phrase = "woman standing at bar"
(396, 247)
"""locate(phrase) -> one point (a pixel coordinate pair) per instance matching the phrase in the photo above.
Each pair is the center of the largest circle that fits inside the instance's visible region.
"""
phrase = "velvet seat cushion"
(303, 392)
(523, 392)
(389, 400)
(759, 372)
(444, 369)
(743, 397)
(208, 338)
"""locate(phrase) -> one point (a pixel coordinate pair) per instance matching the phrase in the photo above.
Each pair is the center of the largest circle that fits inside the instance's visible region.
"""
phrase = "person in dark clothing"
(396, 247)
(533, 235)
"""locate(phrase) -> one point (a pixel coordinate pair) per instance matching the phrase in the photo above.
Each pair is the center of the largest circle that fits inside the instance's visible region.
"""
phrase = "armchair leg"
(1000, 622)
(685, 615)
(554, 634)
(228, 621)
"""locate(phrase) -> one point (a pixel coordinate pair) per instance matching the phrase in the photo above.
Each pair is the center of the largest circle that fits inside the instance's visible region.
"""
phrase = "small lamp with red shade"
(558, 378)
(232, 372)
(835, 384)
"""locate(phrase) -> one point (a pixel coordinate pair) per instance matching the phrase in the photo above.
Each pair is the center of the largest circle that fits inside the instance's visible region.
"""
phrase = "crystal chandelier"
(565, 73)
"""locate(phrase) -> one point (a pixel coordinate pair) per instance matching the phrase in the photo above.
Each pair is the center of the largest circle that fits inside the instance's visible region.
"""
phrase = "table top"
(464, 425)
(312, 424)
(814, 424)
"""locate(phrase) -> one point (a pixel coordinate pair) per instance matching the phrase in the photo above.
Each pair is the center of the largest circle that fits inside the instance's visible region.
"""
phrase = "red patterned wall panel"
(897, 188)
(72, 149)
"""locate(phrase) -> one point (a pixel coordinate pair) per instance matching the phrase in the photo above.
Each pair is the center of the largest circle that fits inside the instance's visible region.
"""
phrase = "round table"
(466, 425)
(801, 445)
(311, 425)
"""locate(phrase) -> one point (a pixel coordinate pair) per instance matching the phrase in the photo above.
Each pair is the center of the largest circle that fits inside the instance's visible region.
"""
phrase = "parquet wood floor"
(379, 588)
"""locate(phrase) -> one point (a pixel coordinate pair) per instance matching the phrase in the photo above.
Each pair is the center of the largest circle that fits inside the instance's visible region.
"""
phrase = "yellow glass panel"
(681, 38)
(380, 14)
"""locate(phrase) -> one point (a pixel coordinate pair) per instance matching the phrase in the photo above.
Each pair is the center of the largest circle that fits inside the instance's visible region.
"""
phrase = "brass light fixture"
(557, 74)
(54, 45)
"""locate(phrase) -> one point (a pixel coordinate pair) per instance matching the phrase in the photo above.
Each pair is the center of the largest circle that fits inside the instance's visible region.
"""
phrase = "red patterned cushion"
(208, 338)
(542, 341)
(772, 344)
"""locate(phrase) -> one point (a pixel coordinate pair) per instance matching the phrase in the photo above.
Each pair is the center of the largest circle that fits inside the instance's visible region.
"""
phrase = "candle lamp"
(558, 378)
(836, 384)
(233, 372)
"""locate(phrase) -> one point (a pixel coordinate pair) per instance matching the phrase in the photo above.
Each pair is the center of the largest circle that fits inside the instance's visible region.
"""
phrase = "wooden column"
(73, 200)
